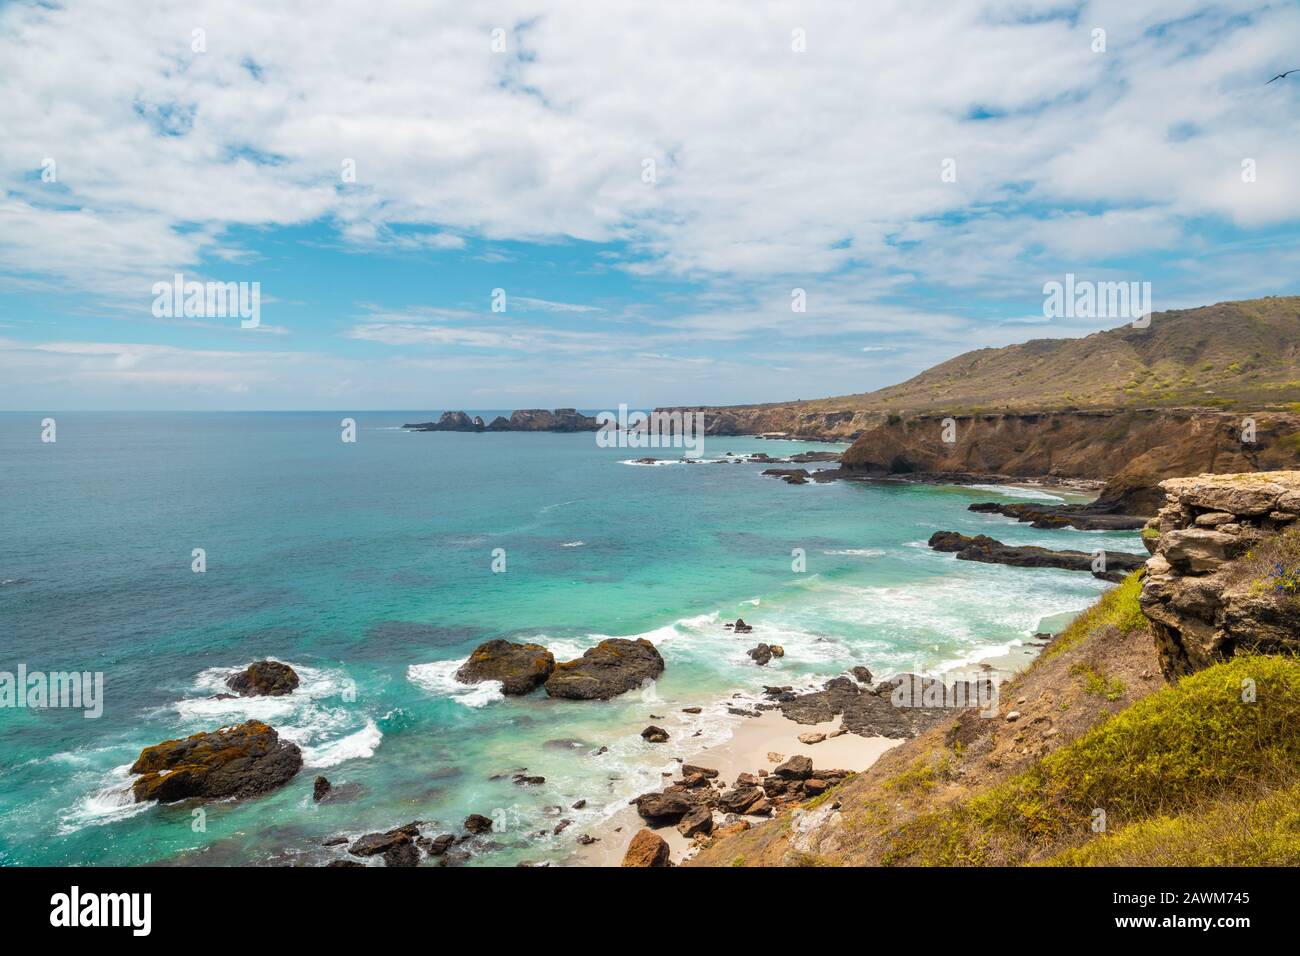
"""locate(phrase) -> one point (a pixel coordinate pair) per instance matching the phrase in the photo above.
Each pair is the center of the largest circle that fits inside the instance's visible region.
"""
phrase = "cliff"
(1101, 753)
(1132, 450)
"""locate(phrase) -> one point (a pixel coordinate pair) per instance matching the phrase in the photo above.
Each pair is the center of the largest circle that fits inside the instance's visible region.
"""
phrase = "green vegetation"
(1166, 755)
(1117, 608)
(1098, 684)
(1246, 831)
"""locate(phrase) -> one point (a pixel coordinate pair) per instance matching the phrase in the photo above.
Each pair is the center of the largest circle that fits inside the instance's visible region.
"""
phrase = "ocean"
(367, 566)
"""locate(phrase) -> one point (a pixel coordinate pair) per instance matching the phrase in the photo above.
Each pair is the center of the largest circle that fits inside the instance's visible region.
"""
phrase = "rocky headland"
(1167, 710)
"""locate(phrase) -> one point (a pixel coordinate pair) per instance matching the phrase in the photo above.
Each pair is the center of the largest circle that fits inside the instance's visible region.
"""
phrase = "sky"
(638, 187)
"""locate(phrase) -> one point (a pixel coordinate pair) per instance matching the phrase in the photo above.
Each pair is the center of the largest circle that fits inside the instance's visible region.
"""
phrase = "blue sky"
(505, 147)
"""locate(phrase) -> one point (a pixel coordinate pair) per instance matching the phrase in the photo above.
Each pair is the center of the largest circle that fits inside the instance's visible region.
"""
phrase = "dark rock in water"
(562, 826)
(797, 767)
(241, 761)
(403, 854)
(440, 844)
(698, 821)
(521, 668)
(477, 823)
(612, 667)
(524, 780)
(660, 809)
(761, 654)
(991, 551)
(861, 674)
(579, 805)
(791, 476)
(264, 679)
(1085, 517)
(692, 710)
(646, 849)
(740, 626)
(587, 839)
(655, 735)
(335, 841)
(373, 844)
(320, 789)
(344, 863)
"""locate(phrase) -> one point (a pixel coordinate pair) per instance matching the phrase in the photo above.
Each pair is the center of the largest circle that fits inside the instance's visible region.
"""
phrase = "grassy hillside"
(1233, 354)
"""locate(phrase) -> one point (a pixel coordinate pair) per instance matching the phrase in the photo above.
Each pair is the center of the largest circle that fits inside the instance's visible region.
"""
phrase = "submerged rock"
(991, 551)
(264, 679)
(612, 667)
(241, 761)
(521, 668)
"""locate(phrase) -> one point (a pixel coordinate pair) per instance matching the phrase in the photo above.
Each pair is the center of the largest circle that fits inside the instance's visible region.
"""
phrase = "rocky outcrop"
(264, 679)
(1085, 517)
(612, 667)
(523, 420)
(1222, 578)
(521, 668)
(242, 761)
(898, 708)
(991, 551)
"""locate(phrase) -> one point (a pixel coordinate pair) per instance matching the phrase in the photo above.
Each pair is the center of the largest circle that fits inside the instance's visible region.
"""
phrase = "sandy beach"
(753, 747)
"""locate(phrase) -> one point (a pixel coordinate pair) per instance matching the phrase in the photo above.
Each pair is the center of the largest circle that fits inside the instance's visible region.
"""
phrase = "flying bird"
(1283, 76)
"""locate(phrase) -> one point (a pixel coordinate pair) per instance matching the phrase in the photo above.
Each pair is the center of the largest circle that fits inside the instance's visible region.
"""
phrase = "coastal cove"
(369, 568)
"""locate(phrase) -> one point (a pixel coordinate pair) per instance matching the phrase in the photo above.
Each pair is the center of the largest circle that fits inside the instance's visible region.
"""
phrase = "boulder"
(740, 799)
(521, 668)
(646, 849)
(612, 667)
(246, 760)
(404, 854)
(320, 789)
(862, 675)
(663, 808)
(373, 844)
(698, 821)
(655, 735)
(797, 767)
(761, 654)
(477, 823)
(264, 679)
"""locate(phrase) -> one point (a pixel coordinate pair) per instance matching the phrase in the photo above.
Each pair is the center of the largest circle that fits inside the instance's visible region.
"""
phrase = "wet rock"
(320, 789)
(521, 668)
(440, 844)
(862, 675)
(612, 667)
(692, 710)
(246, 760)
(646, 849)
(373, 844)
(587, 839)
(477, 823)
(403, 854)
(655, 735)
(264, 679)
(690, 768)
(988, 550)
(579, 805)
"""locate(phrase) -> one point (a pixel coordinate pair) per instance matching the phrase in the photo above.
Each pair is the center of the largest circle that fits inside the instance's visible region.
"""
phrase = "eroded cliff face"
(1131, 450)
(795, 420)
(1225, 573)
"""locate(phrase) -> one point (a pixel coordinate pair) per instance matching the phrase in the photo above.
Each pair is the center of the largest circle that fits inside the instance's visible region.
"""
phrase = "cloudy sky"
(647, 182)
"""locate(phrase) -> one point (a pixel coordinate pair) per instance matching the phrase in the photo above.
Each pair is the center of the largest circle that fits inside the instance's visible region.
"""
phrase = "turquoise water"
(367, 566)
